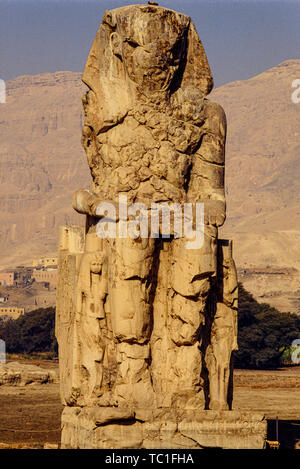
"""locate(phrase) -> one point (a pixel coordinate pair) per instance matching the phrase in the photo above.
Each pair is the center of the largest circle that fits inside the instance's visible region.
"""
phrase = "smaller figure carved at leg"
(91, 295)
(218, 356)
(223, 339)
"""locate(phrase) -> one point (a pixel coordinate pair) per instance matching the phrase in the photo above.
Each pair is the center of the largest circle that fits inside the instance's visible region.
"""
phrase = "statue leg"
(191, 282)
(130, 291)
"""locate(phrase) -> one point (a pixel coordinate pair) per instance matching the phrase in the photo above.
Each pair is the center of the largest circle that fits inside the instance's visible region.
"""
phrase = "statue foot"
(218, 405)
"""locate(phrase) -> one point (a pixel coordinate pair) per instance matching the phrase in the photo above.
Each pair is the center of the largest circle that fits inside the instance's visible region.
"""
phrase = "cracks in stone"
(213, 163)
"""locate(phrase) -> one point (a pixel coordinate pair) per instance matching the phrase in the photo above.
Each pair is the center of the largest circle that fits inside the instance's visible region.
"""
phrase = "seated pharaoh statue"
(147, 315)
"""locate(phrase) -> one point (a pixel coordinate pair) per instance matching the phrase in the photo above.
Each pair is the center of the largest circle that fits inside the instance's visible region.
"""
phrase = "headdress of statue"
(124, 57)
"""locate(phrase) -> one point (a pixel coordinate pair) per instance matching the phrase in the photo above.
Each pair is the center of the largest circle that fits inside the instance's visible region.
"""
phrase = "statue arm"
(206, 183)
(86, 203)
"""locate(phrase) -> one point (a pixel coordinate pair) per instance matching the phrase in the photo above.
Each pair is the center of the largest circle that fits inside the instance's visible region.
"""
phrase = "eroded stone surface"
(144, 322)
(17, 374)
(166, 429)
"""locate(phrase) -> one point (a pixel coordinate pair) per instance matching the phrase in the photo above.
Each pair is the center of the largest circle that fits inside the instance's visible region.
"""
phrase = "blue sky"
(242, 38)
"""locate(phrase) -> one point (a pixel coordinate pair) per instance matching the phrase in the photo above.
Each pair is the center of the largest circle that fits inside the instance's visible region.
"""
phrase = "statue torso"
(148, 156)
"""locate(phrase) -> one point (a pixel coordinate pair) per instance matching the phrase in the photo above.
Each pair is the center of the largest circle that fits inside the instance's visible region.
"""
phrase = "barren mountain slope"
(42, 163)
(263, 150)
(263, 184)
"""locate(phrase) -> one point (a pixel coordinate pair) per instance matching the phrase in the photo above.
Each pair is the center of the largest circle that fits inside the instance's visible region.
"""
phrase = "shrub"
(264, 333)
(33, 332)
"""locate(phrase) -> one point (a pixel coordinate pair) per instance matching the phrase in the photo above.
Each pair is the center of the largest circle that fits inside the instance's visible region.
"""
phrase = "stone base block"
(121, 428)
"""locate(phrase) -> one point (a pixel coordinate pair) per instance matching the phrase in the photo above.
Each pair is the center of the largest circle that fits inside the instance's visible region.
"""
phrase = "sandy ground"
(30, 415)
(274, 393)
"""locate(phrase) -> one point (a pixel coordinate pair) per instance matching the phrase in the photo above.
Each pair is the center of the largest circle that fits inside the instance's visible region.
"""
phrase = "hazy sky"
(241, 38)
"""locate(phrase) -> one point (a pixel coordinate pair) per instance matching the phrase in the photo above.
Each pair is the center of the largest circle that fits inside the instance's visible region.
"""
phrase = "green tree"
(33, 332)
(264, 333)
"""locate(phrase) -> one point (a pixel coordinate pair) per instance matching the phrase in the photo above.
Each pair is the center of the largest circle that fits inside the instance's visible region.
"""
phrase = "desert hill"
(262, 182)
(42, 163)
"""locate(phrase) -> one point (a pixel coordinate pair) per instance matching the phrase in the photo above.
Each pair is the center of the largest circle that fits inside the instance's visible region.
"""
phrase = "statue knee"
(130, 316)
(186, 320)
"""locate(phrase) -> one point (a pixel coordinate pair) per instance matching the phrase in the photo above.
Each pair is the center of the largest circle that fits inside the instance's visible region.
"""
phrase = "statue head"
(146, 48)
(96, 262)
(152, 45)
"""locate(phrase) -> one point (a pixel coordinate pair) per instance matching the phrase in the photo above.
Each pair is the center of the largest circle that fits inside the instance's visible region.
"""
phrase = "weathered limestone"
(84, 428)
(17, 374)
(146, 325)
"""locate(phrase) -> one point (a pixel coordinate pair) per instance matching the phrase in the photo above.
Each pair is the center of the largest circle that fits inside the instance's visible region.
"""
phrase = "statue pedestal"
(121, 428)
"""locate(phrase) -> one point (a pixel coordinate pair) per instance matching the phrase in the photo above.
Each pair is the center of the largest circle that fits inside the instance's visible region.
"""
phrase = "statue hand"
(87, 203)
(214, 212)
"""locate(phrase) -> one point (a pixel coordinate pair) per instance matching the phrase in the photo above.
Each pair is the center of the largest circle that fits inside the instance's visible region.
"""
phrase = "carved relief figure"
(91, 294)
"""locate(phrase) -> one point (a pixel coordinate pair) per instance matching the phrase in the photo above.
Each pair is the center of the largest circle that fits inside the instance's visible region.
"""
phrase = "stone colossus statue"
(144, 323)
